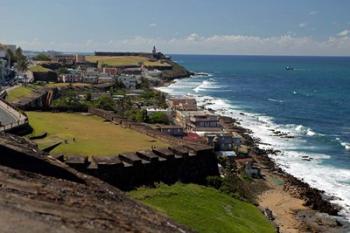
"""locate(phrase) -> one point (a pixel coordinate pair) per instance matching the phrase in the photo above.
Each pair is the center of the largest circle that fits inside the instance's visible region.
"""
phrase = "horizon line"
(191, 54)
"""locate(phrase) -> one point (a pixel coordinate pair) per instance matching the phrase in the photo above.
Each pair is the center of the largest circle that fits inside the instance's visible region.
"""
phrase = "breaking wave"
(346, 145)
(205, 85)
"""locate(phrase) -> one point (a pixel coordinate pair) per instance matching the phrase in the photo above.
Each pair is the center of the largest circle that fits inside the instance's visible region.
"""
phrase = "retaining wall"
(19, 119)
(39, 101)
(168, 165)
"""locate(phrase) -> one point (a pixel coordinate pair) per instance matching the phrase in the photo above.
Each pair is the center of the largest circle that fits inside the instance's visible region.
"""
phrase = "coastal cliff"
(176, 72)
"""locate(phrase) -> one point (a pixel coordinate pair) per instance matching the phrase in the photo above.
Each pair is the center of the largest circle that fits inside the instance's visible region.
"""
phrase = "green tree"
(145, 85)
(89, 96)
(119, 85)
(62, 70)
(12, 56)
(42, 57)
(159, 117)
(105, 102)
(141, 116)
(22, 61)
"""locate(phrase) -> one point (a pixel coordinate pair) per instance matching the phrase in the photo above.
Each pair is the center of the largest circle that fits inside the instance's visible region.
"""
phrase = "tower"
(154, 51)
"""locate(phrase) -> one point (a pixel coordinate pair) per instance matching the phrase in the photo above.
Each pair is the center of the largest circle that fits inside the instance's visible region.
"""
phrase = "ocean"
(310, 104)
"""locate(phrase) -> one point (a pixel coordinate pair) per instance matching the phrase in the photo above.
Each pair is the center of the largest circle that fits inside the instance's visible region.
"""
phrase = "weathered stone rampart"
(45, 195)
(183, 161)
(168, 165)
(40, 100)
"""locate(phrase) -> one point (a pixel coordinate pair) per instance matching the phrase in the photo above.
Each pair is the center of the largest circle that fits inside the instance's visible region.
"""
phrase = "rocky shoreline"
(324, 215)
(313, 198)
(325, 212)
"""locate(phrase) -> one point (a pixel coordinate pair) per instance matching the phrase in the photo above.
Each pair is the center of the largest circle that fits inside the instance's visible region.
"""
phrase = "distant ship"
(289, 68)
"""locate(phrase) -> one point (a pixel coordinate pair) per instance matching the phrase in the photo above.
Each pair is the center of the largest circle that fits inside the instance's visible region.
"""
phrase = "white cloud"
(313, 12)
(193, 37)
(344, 33)
(302, 25)
(152, 25)
(215, 44)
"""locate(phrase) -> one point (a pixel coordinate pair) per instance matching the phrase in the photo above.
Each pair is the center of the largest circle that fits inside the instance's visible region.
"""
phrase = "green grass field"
(87, 135)
(20, 92)
(38, 68)
(124, 60)
(204, 209)
(52, 85)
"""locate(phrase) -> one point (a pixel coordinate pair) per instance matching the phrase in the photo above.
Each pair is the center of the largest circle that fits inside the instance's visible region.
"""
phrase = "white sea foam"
(334, 181)
(202, 74)
(346, 145)
(275, 100)
(205, 85)
(304, 130)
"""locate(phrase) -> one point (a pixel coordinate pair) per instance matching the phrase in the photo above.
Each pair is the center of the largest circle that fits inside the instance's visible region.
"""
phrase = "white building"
(104, 78)
(90, 79)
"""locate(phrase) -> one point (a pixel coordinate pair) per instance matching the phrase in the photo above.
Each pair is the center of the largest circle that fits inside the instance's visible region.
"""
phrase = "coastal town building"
(251, 170)
(199, 121)
(236, 139)
(5, 60)
(66, 59)
(111, 71)
(2, 69)
(132, 71)
(129, 81)
(3, 51)
(182, 103)
(151, 73)
(79, 58)
(70, 78)
(221, 142)
(104, 78)
(154, 77)
(91, 78)
(172, 130)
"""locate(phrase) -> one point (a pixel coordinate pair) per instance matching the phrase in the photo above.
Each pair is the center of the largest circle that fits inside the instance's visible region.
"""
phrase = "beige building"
(199, 121)
(183, 104)
(79, 58)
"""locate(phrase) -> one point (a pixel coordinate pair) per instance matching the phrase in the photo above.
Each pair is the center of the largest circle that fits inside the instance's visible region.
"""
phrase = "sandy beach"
(282, 205)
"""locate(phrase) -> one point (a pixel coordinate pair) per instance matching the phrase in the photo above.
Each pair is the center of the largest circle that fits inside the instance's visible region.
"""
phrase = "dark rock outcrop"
(313, 197)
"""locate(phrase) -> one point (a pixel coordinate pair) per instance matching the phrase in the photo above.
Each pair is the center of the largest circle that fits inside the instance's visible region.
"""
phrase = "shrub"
(214, 181)
(42, 57)
(159, 117)
(105, 102)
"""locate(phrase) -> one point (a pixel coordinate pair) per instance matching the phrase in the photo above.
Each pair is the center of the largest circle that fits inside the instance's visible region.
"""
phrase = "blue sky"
(298, 27)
